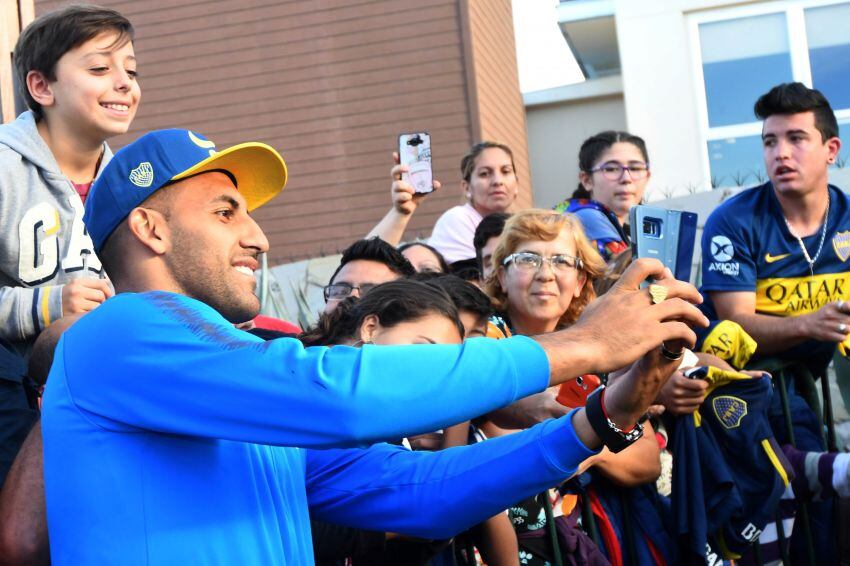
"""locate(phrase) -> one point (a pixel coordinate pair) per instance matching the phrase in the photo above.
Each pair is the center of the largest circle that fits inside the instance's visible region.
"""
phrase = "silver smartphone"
(666, 235)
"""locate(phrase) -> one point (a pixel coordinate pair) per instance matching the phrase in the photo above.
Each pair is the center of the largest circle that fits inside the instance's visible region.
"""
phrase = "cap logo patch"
(729, 410)
(142, 176)
(206, 144)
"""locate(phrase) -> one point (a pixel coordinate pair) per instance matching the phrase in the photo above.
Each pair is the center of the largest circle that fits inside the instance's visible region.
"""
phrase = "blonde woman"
(544, 278)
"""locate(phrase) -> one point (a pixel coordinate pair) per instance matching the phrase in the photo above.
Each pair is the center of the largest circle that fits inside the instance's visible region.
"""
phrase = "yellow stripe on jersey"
(774, 459)
(793, 296)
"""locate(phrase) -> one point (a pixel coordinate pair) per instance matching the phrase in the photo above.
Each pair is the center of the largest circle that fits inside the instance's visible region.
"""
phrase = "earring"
(468, 195)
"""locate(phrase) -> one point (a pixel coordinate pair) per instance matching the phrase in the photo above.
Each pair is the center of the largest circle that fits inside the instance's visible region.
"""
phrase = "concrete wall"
(555, 134)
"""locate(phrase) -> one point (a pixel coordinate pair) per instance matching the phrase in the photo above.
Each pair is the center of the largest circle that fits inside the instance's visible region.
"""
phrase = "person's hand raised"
(404, 197)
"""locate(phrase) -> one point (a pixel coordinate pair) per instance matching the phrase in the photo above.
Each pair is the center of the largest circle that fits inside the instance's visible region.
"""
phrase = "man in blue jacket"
(172, 437)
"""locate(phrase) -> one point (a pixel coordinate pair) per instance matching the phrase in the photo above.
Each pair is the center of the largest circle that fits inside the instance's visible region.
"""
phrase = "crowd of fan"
(717, 460)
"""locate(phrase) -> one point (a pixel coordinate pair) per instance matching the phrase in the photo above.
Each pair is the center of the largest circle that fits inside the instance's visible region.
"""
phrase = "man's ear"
(40, 88)
(150, 227)
(368, 328)
(834, 146)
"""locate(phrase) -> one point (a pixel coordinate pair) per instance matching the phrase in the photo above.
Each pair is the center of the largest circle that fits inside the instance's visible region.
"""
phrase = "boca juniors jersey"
(746, 246)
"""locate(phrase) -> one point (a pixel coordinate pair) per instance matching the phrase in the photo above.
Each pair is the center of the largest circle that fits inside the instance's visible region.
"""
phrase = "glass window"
(741, 60)
(829, 52)
(739, 162)
(736, 162)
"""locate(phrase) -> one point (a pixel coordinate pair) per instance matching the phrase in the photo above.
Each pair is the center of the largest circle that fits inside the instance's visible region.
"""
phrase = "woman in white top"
(490, 185)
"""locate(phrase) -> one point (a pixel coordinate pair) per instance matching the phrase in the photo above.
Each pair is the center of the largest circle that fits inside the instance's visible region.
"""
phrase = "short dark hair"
(393, 302)
(794, 98)
(467, 163)
(43, 42)
(594, 146)
(444, 267)
(465, 295)
(375, 249)
(491, 226)
(466, 269)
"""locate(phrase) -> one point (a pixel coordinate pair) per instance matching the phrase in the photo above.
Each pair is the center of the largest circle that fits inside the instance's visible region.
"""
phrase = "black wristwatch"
(612, 437)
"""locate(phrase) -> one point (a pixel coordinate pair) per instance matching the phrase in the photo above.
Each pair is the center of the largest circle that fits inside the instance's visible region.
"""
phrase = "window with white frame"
(740, 53)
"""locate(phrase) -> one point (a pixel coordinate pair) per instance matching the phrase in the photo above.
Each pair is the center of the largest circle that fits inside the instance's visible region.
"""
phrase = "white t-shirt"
(454, 231)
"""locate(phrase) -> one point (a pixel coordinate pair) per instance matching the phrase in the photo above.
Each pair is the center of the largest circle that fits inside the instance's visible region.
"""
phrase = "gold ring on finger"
(658, 293)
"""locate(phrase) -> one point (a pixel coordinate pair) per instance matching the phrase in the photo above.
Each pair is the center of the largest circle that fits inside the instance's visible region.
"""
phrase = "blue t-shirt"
(170, 437)
(746, 246)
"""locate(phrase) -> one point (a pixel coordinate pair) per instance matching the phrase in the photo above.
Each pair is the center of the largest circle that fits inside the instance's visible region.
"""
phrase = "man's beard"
(200, 280)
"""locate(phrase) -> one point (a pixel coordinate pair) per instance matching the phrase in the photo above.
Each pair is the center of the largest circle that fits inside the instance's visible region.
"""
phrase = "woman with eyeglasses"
(614, 173)
(543, 282)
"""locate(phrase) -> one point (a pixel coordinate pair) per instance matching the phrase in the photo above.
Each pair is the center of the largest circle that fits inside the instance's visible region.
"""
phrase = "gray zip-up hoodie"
(44, 243)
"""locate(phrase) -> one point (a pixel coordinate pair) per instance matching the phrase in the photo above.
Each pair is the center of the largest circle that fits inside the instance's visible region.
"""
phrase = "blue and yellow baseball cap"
(165, 156)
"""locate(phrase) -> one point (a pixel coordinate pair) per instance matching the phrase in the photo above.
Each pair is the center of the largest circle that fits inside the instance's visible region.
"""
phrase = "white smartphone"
(414, 150)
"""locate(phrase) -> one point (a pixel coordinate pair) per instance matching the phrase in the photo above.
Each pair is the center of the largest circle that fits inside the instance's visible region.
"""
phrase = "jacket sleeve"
(154, 362)
(25, 311)
(439, 494)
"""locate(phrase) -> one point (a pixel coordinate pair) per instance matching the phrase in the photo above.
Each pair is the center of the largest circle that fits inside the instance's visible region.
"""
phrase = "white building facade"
(684, 75)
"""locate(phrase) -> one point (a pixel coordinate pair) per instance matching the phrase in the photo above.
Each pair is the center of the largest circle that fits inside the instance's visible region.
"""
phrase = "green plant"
(715, 181)
(739, 178)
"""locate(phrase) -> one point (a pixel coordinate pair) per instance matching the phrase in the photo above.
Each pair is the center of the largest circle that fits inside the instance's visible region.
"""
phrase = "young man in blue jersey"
(170, 436)
(775, 256)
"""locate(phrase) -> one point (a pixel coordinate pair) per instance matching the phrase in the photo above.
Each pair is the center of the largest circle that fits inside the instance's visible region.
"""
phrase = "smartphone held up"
(666, 235)
(414, 151)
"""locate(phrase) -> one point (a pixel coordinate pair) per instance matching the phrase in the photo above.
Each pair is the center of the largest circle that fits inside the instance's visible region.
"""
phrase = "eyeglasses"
(340, 291)
(613, 171)
(528, 261)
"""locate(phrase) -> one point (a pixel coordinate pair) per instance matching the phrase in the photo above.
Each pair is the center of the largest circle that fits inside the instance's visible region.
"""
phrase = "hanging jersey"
(746, 246)
(728, 473)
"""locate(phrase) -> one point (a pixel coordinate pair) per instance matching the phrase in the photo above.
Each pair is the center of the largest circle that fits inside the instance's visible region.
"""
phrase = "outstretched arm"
(439, 494)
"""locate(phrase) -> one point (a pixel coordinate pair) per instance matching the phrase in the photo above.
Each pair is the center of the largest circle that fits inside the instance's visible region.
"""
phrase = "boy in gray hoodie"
(77, 71)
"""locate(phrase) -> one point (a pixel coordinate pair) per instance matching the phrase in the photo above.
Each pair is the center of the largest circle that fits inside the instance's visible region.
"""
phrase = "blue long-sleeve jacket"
(170, 437)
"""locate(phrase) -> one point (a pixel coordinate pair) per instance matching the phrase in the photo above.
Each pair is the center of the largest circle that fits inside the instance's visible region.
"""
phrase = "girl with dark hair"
(397, 312)
(406, 311)
(614, 173)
